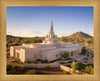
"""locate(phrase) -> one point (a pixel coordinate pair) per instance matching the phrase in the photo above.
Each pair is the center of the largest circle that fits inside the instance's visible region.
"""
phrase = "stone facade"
(49, 50)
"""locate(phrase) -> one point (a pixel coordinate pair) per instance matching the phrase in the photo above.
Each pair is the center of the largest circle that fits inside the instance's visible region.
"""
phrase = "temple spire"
(51, 28)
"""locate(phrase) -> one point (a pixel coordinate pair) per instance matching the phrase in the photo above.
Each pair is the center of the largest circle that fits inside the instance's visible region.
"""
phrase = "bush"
(31, 72)
(92, 71)
(17, 68)
(14, 69)
(35, 61)
(88, 69)
(24, 68)
(38, 60)
(48, 66)
(9, 67)
(65, 54)
(81, 66)
(84, 50)
(92, 56)
(16, 60)
(27, 61)
(74, 66)
(8, 54)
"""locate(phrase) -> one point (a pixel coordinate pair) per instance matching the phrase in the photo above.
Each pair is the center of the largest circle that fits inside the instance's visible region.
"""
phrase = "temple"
(49, 50)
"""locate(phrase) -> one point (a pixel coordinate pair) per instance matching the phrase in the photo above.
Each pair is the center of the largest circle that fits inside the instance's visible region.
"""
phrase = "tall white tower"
(51, 33)
(51, 38)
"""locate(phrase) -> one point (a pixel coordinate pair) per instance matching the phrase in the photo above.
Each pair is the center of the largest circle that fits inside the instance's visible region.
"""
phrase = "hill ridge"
(80, 34)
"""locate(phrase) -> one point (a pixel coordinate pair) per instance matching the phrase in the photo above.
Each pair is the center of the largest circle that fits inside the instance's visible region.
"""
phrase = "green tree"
(92, 56)
(77, 40)
(74, 66)
(63, 39)
(84, 51)
(64, 54)
(88, 41)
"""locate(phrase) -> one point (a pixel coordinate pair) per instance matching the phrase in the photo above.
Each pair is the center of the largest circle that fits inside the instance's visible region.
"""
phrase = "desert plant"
(26, 61)
(24, 68)
(74, 66)
(48, 66)
(64, 54)
(88, 69)
(84, 51)
(92, 71)
(31, 72)
(9, 67)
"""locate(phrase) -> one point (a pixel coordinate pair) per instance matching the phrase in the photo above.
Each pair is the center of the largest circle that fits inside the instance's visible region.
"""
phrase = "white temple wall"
(31, 54)
(51, 55)
(22, 55)
(17, 53)
(12, 51)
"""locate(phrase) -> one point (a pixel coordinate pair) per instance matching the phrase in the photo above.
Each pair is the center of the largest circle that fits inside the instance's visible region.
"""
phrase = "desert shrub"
(38, 60)
(88, 69)
(31, 72)
(84, 50)
(35, 61)
(64, 54)
(74, 66)
(17, 68)
(16, 60)
(24, 68)
(14, 69)
(92, 71)
(81, 66)
(9, 67)
(8, 54)
(26, 61)
(48, 66)
(92, 56)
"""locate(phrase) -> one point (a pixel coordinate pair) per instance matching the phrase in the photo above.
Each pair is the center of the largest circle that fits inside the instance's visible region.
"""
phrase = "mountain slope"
(80, 35)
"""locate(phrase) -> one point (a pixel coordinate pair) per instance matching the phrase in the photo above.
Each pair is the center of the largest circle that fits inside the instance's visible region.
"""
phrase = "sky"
(35, 21)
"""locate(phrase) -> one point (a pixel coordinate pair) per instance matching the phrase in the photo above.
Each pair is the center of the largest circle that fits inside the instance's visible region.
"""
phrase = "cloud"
(91, 33)
(39, 33)
(28, 33)
(33, 33)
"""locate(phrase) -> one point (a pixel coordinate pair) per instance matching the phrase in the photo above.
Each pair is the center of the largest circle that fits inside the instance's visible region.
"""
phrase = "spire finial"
(51, 28)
